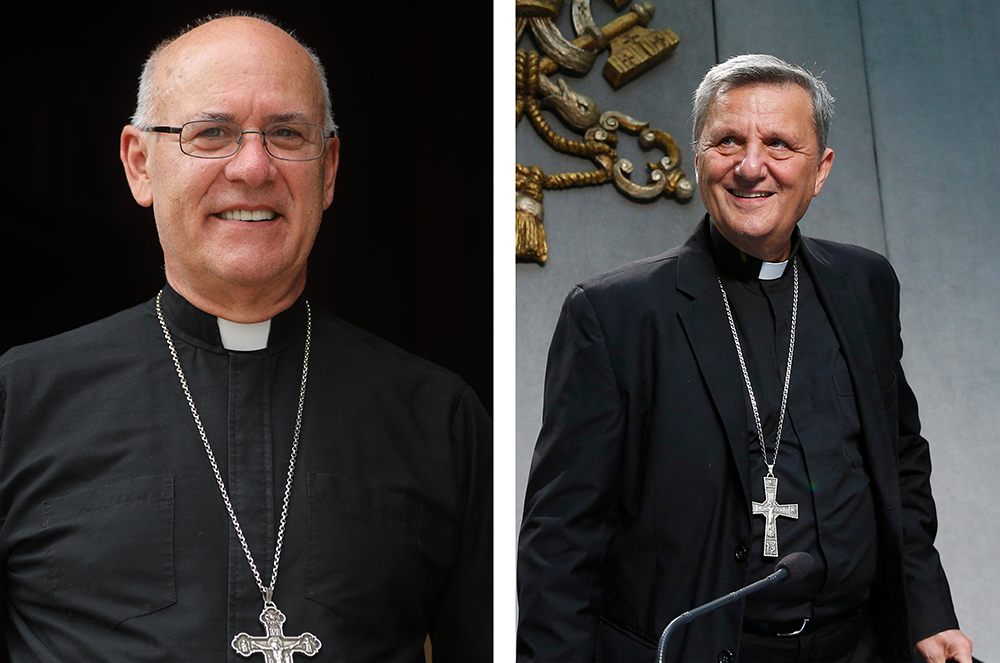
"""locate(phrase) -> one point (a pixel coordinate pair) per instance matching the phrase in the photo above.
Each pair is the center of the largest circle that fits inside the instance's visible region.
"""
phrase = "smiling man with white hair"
(735, 399)
(225, 470)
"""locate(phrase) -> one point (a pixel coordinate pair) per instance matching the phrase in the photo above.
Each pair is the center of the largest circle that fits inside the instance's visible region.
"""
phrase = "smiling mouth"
(246, 215)
(750, 194)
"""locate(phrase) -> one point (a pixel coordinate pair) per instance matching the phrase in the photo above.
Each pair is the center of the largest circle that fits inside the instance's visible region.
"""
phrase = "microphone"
(791, 567)
(798, 565)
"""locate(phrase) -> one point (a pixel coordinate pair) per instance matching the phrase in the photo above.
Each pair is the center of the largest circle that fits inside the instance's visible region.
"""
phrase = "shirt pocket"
(110, 554)
(362, 552)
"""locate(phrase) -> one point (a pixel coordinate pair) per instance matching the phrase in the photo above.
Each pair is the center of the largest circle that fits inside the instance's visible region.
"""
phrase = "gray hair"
(144, 114)
(744, 70)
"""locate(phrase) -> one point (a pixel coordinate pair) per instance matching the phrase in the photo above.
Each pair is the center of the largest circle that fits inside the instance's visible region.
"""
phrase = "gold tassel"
(529, 231)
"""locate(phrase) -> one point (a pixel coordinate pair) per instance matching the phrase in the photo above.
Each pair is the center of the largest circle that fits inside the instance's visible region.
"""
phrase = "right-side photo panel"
(757, 350)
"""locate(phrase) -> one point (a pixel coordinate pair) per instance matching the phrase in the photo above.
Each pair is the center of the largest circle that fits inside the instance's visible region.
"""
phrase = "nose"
(753, 165)
(251, 164)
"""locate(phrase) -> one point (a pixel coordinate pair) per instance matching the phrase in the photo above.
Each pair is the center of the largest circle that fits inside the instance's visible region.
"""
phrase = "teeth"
(246, 215)
(744, 194)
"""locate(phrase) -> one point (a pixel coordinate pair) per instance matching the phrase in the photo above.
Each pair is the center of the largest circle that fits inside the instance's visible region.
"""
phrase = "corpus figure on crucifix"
(275, 646)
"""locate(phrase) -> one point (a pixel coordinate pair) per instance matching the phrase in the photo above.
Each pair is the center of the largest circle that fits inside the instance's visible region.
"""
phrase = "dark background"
(405, 250)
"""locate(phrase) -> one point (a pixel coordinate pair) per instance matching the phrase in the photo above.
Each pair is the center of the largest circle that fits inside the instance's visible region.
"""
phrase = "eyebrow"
(294, 116)
(218, 117)
(291, 116)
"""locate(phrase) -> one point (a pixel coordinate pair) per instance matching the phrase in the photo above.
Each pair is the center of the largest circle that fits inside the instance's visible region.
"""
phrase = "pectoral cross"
(770, 509)
(275, 646)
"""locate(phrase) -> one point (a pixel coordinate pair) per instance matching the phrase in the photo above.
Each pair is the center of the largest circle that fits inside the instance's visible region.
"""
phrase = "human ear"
(331, 159)
(133, 153)
(823, 170)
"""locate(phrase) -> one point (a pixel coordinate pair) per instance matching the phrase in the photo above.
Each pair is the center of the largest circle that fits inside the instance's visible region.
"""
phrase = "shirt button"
(741, 553)
(726, 656)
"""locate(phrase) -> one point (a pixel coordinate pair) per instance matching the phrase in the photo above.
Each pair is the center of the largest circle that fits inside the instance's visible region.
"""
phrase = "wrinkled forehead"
(237, 66)
(784, 96)
(764, 105)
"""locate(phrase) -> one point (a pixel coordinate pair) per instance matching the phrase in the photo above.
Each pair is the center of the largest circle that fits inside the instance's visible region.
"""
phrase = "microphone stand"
(685, 617)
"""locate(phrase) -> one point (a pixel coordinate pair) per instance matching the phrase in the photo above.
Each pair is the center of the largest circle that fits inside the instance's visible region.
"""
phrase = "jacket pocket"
(362, 551)
(850, 423)
(110, 551)
(622, 645)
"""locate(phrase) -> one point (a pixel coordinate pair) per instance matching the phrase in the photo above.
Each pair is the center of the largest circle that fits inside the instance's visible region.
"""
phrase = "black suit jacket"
(638, 500)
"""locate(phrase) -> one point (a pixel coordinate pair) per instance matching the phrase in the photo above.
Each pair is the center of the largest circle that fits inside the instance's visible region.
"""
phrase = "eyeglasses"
(212, 139)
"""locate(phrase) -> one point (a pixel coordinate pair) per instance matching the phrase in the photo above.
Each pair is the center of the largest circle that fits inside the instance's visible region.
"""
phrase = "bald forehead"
(256, 42)
(228, 49)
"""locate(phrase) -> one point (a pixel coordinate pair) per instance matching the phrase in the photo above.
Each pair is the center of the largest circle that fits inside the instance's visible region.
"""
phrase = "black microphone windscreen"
(798, 564)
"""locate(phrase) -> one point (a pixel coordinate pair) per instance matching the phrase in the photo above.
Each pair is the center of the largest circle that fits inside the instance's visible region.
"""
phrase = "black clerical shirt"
(819, 464)
(115, 543)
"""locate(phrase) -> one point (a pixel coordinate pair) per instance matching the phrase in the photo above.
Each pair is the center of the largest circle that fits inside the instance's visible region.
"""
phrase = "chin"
(249, 273)
(755, 227)
(251, 265)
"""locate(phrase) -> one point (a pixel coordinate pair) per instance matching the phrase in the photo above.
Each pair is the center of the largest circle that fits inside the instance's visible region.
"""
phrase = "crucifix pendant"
(770, 509)
(275, 646)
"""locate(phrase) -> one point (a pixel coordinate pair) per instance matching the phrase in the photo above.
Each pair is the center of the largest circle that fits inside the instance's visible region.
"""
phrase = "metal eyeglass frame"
(327, 135)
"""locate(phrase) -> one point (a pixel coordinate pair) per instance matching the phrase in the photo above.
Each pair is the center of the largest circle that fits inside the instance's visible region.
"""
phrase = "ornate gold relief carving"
(634, 49)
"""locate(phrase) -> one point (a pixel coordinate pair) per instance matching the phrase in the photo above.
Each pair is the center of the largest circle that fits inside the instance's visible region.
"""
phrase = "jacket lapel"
(847, 317)
(707, 329)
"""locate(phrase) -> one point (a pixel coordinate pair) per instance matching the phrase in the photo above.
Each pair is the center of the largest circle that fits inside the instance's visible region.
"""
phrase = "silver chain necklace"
(769, 508)
(275, 647)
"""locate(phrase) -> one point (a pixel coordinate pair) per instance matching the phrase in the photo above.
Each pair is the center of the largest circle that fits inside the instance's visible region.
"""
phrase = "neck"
(242, 304)
(767, 249)
(735, 263)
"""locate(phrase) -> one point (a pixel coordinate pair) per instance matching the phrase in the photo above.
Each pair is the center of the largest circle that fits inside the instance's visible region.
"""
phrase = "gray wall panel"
(934, 71)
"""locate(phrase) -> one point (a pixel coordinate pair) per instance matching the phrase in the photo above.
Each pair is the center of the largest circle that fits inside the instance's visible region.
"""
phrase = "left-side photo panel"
(246, 334)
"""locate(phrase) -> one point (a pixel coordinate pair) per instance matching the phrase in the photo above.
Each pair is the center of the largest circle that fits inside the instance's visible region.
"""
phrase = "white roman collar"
(245, 337)
(770, 271)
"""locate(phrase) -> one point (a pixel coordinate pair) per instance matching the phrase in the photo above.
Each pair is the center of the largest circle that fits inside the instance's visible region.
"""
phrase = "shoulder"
(373, 360)
(367, 374)
(850, 254)
(633, 276)
(628, 290)
(857, 263)
(86, 344)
